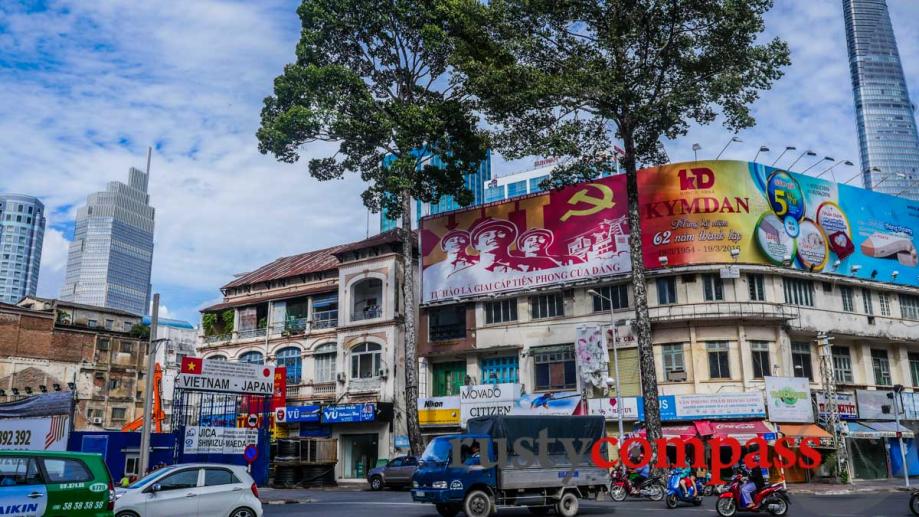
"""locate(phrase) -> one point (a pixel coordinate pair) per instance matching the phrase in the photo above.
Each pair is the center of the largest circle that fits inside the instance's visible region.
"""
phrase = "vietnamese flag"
(192, 365)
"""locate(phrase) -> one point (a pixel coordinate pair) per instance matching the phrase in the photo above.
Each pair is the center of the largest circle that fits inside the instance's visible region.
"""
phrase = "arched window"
(365, 361)
(290, 358)
(217, 358)
(367, 299)
(324, 359)
(252, 357)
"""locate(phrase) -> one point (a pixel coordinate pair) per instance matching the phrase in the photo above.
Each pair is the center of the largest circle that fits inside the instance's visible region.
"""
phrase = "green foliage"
(570, 78)
(227, 319)
(372, 77)
(209, 323)
(141, 331)
(218, 323)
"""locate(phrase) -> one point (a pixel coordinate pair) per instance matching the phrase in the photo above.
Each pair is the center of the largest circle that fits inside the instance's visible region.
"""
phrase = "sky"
(85, 87)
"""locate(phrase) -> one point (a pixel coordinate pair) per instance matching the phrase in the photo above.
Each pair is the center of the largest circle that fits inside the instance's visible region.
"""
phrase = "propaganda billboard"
(578, 232)
(696, 213)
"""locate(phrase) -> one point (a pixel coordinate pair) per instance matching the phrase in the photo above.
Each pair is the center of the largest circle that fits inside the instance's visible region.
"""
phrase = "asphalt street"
(376, 504)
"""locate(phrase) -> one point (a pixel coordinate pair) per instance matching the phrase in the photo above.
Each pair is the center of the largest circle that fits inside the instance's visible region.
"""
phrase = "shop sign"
(874, 405)
(548, 403)
(712, 406)
(910, 406)
(632, 408)
(487, 400)
(439, 411)
(788, 400)
(845, 406)
(218, 440)
(35, 434)
(346, 413)
(402, 442)
(294, 414)
(209, 375)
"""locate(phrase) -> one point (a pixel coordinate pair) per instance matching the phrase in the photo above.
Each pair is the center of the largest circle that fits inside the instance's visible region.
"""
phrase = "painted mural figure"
(492, 238)
(533, 250)
(455, 244)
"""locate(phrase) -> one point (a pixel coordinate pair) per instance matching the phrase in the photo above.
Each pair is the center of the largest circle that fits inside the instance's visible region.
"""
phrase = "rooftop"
(27, 302)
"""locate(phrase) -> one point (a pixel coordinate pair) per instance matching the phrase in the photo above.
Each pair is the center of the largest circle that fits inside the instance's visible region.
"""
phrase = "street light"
(873, 169)
(896, 396)
(148, 386)
(731, 141)
(802, 155)
(787, 148)
(825, 159)
(695, 151)
(762, 149)
(847, 163)
(613, 324)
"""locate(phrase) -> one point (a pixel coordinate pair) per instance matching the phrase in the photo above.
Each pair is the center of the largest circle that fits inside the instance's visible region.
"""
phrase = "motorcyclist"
(755, 480)
(639, 476)
(687, 481)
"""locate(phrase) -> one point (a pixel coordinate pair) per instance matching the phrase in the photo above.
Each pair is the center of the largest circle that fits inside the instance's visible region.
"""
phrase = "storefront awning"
(875, 430)
(743, 431)
(798, 432)
(684, 432)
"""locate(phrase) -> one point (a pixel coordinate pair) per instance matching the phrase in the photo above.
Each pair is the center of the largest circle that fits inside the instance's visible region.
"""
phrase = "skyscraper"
(111, 255)
(887, 134)
(22, 230)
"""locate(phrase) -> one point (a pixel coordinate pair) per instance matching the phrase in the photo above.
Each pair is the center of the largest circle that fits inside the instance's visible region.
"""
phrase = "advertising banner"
(632, 408)
(279, 398)
(347, 413)
(209, 375)
(34, 434)
(874, 405)
(577, 232)
(218, 440)
(788, 400)
(910, 406)
(548, 403)
(296, 414)
(439, 411)
(591, 356)
(487, 400)
(696, 213)
(712, 406)
(845, 405)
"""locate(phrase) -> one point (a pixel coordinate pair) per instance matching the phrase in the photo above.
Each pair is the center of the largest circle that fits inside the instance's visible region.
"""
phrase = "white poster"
(721, 405)
(788, 400)
(845, 405)
(210, 375)
(592, 356)
(487, 400)
(218, 440)
(607, 408)
(35, 434)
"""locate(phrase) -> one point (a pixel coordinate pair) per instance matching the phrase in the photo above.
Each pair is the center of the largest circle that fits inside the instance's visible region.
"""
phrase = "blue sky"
(85, 87)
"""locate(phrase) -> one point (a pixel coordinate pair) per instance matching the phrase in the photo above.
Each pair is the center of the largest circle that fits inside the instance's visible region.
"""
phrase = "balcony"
(317, 390)
(291, 327)
(367, 314)
(250, 334)
(368, 385)
(325, 319)
(734, 311)
(217, 339)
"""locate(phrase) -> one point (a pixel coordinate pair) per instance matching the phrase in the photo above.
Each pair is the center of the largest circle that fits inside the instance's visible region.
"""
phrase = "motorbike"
(914, 502)
(675, 494)
(621, 487)
(771, 498)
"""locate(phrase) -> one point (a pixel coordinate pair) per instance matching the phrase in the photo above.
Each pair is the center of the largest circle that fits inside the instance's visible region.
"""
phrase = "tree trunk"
(410, 312)
(640, 290)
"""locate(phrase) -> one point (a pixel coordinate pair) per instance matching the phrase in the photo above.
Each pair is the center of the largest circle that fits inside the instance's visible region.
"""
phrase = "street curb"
(288, 501)
(849, 491)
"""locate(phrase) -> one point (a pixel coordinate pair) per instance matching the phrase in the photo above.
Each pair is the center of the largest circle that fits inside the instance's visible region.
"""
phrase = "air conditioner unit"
(676, 376)
(340, 376)
(97, 420)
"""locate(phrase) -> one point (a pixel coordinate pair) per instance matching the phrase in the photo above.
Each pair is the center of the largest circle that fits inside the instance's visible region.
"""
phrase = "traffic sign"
(250, 453)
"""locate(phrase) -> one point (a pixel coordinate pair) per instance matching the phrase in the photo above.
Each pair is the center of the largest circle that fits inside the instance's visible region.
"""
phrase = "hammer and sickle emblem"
(597, 203)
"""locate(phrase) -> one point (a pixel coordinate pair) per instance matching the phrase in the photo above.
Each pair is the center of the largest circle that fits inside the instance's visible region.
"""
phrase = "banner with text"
(487, 400)
(439, 411)
(845, 405)
(34, 434)
(218, 440)
(712, 406)
(210, 375)
(789, 400)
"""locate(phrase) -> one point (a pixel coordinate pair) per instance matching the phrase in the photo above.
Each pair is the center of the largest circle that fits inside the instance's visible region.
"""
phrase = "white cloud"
(53, 262)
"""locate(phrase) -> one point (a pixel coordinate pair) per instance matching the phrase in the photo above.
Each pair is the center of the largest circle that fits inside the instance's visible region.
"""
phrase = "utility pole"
(829, 392)
(148, 389)
(897, 399)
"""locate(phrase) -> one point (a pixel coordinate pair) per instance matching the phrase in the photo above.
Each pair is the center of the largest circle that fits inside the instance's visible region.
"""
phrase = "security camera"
(895, 274)
(663, 260)
(836, 264)
(610, 381)
(856, 268)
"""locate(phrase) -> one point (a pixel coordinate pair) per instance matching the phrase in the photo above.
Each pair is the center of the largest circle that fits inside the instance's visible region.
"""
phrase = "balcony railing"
(251, 333)
(325, 319)
(315, 390)
(291, 327)
(724, 311)
(367, 314)
(219, 338)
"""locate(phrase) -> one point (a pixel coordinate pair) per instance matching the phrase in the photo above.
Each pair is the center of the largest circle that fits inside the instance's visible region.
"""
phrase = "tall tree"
(570, 78)
(373, 78)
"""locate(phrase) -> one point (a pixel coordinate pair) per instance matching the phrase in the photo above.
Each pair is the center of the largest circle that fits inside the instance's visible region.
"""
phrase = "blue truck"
(541, 462)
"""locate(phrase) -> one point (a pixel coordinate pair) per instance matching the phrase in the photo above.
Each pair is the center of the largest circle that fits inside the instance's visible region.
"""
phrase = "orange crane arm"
(158, 414)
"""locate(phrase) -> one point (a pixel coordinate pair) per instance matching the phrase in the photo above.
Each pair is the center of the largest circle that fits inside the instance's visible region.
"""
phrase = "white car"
(200, 489)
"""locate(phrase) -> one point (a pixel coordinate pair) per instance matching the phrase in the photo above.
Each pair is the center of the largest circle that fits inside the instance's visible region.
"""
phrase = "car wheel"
(478, 504)
(567, 506)
(126, 514)
(914, 504)
(447, 510)
(242, 512)
(376, 483)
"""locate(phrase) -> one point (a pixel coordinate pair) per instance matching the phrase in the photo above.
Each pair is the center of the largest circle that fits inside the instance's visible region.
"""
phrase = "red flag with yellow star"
(192, 365)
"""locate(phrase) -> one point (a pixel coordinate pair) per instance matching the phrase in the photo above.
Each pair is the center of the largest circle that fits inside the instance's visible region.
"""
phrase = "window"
(102, 344)
(535, 183)
(914, 368)
(554, 367)
(666, 290)
(718, 366)
(547, 306)
(909, 306)
(217, 358)
(113, 384)
(842, 364)
(398, 462)
(131, 464)
(180, 480)
(215, 477)
(848, 304)
(127, 347)
(448, 378)
(881, 365)
(798, 292)
(866, 300)
(759, 350)
(884, 301)
(612, 297)
(109, 324)
(673, 358)
(757, 286)
(501, 311)
(518, 188)
(19, 471)
(365, 361)
(366, 299)
(801, 360)
(290, 359)
(325, 311)
(252, 357)
(446, 323)
(118, 413)
(497, 370)
(712, 287)
(324, 360)
(66, 470)
(127, 326)
(92, 323)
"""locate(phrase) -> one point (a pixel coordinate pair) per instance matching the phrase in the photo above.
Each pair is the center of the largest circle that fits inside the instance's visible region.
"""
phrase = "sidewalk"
(302, 495)
(856, 487)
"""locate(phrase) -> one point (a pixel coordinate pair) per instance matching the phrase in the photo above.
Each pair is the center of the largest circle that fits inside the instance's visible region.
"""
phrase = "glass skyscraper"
(887, 134)
(111, 255)
(22, 230)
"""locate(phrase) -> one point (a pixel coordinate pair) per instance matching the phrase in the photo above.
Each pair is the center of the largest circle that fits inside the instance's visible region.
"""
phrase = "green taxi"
(55, 484)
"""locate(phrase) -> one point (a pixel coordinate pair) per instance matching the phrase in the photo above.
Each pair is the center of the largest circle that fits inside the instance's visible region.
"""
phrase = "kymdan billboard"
(692, 213)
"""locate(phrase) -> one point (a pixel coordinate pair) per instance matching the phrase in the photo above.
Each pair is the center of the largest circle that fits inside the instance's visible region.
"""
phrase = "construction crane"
(158, 414)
